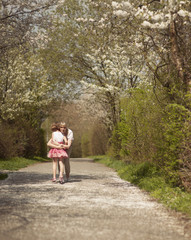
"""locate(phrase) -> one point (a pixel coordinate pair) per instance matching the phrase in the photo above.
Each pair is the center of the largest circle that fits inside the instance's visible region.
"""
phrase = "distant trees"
(163, 37)
(133, 57)
(90, 135)
(21, 22)
(93, 55)
(130, 59)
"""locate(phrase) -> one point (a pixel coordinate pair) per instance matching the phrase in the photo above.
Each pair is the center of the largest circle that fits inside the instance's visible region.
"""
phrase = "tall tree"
(20, 21)
(164, 35)
(93, 54)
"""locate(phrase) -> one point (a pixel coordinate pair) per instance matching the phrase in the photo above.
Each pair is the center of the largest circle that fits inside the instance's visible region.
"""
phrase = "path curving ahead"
(96, 204)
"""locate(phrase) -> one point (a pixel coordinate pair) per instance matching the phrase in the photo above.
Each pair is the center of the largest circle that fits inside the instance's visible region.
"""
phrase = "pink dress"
(57, 153)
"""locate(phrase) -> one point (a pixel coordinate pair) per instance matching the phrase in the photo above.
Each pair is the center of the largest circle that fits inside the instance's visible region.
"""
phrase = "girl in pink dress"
(57, 154)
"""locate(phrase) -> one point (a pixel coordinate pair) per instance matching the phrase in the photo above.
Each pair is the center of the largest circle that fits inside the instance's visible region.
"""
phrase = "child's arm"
(65, 140)
(68, 145)
(51, 144)
(55, 143)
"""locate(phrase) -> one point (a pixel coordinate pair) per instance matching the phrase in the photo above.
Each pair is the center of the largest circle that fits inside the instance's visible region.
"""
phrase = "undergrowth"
(18, 162)
(3, 176)
(147, 177)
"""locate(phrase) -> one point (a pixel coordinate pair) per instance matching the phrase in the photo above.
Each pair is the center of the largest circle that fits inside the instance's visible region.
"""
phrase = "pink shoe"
(61, 180)
(54, 180)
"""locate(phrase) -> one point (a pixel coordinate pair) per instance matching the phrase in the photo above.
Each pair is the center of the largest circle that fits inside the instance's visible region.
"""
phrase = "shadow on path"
(22, 178)
(84, 160)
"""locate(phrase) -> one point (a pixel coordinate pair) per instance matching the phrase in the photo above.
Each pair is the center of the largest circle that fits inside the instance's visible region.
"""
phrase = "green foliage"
(94, 140)
(85, 145)
(138, 173)
(42, 144)
(18, 162)
(146, 132)
(3, 176)
(12, 140)
(148, 176)
(98, 139)
(19, 138)
(35, 144)
(174, 198)
(135, 135)
(174, 135)
(114, 149)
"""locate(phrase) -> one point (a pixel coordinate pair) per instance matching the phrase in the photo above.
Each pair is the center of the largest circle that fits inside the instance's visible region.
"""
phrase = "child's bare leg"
(61, 167)
(54, 167)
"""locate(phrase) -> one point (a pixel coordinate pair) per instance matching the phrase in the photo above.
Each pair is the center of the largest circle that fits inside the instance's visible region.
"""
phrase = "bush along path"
(146, 176)
(95, 204)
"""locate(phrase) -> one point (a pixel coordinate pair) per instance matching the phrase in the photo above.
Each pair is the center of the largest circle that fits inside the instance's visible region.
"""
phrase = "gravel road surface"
(96, 204)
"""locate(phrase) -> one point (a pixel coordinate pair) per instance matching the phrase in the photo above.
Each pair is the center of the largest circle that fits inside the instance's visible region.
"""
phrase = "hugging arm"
(53, 144)
(67, 146)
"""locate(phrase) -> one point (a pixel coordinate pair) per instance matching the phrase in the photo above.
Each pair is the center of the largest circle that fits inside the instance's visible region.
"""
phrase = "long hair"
(54, 127)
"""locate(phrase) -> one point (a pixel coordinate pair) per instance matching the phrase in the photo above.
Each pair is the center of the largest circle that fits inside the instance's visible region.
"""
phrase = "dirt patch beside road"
(96, 204)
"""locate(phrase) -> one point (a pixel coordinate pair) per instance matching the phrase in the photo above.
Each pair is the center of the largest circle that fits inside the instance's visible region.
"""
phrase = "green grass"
(146, 176)
(3, 176)
(18, 162)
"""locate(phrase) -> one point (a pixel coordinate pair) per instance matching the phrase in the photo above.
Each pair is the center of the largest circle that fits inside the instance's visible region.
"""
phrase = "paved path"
(95, 205)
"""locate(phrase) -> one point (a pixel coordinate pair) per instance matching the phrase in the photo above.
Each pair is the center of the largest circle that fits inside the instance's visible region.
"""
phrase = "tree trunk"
(176, 56)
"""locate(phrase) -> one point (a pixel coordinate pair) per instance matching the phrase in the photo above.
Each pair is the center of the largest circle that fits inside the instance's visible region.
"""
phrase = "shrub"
(85, 145)
(21, 139)
(12, 140)
(175, 135)
(134, 138)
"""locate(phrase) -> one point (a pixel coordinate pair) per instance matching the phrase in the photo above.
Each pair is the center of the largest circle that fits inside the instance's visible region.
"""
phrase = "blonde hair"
(63, 124)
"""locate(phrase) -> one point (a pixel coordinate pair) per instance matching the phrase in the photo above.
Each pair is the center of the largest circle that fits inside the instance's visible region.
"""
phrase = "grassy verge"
(147, 177)
(3, 176)
(16, 163)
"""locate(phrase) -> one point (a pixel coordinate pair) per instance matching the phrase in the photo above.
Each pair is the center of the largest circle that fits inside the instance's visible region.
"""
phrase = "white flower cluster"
(184, 13)
(126, 6)
(81, 19)
(112, 65)
(96, 88)
(121, 13)
(162, 25)
(159, 19)
(23, 85)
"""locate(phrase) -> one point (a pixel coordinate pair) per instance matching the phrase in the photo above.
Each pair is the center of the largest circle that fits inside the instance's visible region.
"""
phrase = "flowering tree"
(24, 83)
(163, 30)
(94, 54)
(20, 21)
(24, 86)
(26, 89)
(164, 36)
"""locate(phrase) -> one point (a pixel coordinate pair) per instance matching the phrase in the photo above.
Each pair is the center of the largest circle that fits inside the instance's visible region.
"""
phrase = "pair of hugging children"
(59, 153)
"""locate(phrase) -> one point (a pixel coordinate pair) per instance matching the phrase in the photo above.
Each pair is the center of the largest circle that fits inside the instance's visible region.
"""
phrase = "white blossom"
(182, 13)
(115, 4)
(158, 17)
(27, 86)
(91, 20)
(146, 24)
(61, 1)
(127, 4)
(120, 13)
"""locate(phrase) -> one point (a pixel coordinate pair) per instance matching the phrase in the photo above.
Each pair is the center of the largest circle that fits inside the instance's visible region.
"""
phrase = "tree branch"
(24, 12)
